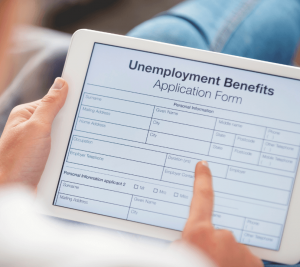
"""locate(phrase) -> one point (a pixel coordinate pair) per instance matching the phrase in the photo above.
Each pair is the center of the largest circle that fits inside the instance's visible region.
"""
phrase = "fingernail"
(58, 84)
(204, 163)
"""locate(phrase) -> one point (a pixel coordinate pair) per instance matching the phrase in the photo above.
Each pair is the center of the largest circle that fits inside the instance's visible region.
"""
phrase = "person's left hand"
(26, 139)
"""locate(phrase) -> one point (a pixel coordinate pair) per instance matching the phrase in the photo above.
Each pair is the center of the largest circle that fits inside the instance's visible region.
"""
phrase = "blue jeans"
(266, 30)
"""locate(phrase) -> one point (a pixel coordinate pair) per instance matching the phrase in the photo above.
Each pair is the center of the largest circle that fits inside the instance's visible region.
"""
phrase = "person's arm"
(26, 139)
(219, 245)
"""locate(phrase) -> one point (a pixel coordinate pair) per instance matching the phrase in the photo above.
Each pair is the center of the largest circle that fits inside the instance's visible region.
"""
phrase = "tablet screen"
(143, 122)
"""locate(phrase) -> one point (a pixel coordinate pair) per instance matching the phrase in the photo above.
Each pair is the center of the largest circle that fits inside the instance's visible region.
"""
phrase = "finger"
(203, 197)
(51, 103)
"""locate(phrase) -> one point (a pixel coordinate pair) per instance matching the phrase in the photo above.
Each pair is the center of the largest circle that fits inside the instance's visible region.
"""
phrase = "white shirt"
(28, 239)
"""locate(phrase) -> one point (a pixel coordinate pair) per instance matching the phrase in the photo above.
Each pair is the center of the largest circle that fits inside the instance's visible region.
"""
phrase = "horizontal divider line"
(94, 200)
(190, 125)
(243, 230)
(219, 158)
(127, 193)
(130, 178)
(252, 198)
(225, 178)
(110, 216)
(213, 130)
(174, 183)
(131, 114)
(258, 151)
(261, 233)
(159, 152)
(115, 97)
(168, 186)
(163, 201)
(114, 171)
(192, 158)
(278, 155)
(160, 213)
(117, 157)
(196, 105)
(115, 138)
(115, 123)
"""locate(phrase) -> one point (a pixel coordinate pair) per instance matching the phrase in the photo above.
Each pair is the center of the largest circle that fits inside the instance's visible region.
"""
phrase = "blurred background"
(37, 54)
(114, 16)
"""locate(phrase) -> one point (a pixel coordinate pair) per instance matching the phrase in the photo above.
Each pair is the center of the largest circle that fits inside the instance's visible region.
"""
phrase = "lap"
(266, 30)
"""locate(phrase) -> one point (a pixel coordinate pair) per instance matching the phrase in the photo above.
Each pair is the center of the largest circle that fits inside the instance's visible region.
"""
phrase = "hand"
(219, 245)
(26, 139)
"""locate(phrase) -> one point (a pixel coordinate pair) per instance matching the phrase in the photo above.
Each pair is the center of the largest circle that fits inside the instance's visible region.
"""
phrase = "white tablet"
(139, 116)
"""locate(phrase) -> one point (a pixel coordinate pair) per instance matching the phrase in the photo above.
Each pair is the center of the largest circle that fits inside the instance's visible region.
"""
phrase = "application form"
(143, 122)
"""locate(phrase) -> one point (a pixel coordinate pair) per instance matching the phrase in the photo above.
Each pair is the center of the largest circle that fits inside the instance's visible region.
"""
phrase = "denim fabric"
(260, 29)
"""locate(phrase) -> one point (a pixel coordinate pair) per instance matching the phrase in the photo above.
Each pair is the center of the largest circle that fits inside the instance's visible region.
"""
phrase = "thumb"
(51, 103)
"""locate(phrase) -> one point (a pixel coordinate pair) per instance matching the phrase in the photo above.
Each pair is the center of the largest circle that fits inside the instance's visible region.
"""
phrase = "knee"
(170, 29)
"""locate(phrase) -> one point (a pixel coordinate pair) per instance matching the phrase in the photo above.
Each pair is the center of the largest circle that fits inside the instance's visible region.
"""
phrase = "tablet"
(140, 115)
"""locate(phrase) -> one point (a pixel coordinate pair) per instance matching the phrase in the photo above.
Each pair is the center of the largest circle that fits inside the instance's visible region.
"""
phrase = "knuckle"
(50, 99)
(16, 110)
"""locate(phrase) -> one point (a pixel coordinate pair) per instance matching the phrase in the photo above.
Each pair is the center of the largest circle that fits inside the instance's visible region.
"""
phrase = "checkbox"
(136, 186)
(155, 190)
(175, 194)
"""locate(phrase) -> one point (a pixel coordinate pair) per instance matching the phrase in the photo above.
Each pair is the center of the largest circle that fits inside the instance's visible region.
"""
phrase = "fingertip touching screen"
(143, 122)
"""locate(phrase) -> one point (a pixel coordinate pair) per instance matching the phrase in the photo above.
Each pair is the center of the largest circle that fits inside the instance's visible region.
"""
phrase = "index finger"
(203, 197)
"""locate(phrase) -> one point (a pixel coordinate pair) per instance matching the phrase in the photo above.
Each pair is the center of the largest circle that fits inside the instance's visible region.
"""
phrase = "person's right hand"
(219, 245)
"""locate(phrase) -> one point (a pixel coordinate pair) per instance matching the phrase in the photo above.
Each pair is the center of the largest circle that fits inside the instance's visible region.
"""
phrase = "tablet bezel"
(74, 73)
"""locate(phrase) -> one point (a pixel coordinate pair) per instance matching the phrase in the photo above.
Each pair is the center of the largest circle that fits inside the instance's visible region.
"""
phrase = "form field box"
(248, 142)
(184, 117)
(181, 130)
(277, 162)
(280, 149)
(176, 142)
(282, 136)
(92, 206)
(250, 191)
(244, 155)
(223, 138)
(115, 164)
(220, 151)
(161, 207)
(259, 178)
(156, 219)
(178, 177)
(263, 227)
(188, 164)
(95, 193)
(259, 240)
(118, 150)
(117, 105)
(112, 130)
(228, 220)
(115, 117)
(240, 128)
